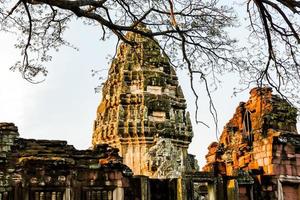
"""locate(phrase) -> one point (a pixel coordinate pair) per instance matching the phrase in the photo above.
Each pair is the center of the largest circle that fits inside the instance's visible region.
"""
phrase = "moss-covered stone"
(142, 101)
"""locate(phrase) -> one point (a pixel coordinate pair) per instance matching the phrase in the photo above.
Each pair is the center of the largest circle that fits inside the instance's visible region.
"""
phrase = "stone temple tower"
(143, 111)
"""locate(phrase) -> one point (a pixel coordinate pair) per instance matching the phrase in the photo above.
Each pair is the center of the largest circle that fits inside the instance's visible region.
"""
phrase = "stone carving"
(165, 159)
(145, 101)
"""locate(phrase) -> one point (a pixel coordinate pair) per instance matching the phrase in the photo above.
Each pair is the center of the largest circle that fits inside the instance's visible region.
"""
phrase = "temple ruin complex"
(140, 141)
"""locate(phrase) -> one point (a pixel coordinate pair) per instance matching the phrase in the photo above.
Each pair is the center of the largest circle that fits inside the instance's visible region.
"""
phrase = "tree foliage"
(276, 36)
(192, 33)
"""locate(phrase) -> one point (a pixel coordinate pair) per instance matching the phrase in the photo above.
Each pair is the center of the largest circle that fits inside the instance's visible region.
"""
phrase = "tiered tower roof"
(142, 101)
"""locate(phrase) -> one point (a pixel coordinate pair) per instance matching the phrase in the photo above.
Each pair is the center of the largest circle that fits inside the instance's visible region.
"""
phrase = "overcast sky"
(64, 105)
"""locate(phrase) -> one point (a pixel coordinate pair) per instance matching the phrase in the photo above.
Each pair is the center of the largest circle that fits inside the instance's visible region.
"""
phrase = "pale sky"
(64, 106)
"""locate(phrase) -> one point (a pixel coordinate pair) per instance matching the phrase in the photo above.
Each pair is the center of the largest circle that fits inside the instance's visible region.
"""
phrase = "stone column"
(8, 134)
(181, 189)
(118, 193)
(145, 187)
(233, 190)
(211, 189)
(67, 195)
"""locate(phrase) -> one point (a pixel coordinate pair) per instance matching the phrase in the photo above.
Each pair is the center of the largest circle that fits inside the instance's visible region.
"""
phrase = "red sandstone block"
(289, 170)
(265, 168)
(271, 170)
(289, 190)
(278, 147)
(286, 162)
(242, 190)
(211, 158)
(298, 161)
(267, 161)
(289, 149)
(283, 170)
(228, 170)
(265, 141)
(241, 162)
(118, 175)
(236, 165)
(115, 176)
(243, 197)
(298, 170)
(247, 158)
(276, 160)
(262, 154)
(276, 169)
(270, 147)
(269, 153)
(256, 156)
(260, 162)
(111, 176)
(277, 154)
(255, 147)
(256, 144)
(253, 165)
(289, 155)
(294, 170)
(125, 182)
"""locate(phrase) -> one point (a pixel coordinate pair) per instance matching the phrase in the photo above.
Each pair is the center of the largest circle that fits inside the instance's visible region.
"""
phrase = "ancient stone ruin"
(140, 140)
(52, 170)
(143, 111)
(258, 154)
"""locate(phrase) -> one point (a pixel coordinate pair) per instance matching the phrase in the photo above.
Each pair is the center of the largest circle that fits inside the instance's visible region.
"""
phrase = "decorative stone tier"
(143, 105)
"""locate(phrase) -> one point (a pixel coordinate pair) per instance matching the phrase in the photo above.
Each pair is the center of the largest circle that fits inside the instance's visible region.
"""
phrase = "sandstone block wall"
(260, 142)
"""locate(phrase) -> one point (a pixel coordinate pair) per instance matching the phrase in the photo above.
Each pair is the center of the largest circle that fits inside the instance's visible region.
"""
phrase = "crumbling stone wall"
(51, 169)
(259, 148)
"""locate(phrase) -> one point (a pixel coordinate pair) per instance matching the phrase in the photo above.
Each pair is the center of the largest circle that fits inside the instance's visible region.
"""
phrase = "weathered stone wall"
(143, 104)
(259, 145)
(8, 134)
(51, 169)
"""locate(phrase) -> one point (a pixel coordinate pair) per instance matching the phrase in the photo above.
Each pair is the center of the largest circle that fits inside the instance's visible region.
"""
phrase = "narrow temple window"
(247, 127)
(247, 122)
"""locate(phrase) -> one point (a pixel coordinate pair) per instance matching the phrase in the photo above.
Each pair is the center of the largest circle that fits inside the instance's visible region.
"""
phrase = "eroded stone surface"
(142, 103)
(39, 169)
(259, 144)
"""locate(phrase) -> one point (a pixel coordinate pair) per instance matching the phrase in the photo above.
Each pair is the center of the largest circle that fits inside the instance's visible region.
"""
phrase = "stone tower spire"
(143, 111)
